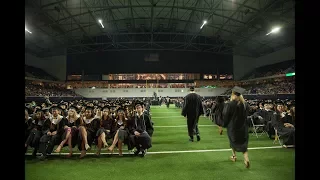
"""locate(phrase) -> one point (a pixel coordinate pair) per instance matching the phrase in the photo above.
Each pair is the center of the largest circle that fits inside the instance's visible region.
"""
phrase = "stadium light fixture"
(204, 22)
(27, 30)
(100, 21)
(274, 30)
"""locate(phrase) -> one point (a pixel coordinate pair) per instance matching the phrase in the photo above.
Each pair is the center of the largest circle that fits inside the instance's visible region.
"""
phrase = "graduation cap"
(105, 107)
(279, 103)
(113, 107)
(99, 107)
(74, 107)
(89, 108)
(55, 108)
(127, 103)
(120, 109)
(238, 90)
(137, 103)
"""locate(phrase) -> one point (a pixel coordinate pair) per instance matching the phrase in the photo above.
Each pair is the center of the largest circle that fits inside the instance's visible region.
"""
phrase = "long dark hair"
(219, 100)
(219, 104)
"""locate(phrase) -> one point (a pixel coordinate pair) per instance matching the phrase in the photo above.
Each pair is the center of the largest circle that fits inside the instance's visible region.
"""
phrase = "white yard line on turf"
(182, 126)
(173, 152)
(156, 117)
(152, 117)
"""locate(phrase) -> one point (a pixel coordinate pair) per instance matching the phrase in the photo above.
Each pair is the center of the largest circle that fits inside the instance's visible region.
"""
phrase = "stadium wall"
(142, 92)
(148, 62)
(242, 65)
(55, 65)
(276, 57)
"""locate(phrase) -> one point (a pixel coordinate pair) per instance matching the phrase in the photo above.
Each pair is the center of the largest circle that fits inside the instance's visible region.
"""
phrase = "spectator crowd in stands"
(38, 73)
(272, 70)
(45, 89)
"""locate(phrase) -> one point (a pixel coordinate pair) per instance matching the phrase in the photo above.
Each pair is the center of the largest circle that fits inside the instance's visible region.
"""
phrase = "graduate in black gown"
(140, 137)
(284, 129)
(167, 101)
(71, 130)
(52, 132)
(107, 129)
(292, 114)
(121, 130)
(34, 127)
(217, 109)
(149, 122)
(235, 119)
(88, 131)
(192, 109)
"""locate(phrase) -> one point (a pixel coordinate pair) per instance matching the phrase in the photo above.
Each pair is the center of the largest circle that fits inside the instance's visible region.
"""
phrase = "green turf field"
(170, 157)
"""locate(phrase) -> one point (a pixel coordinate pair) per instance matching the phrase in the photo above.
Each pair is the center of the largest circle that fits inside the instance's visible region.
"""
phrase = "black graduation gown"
(130, 129)
(74, 131)
(27, 128)
(144, 140)
(192, 109)
(235, 119)
(167, 102)
(91, 127)
(35, 133)
(149, 123)
(51, 140)
(105, 125)
(217, 110)
(287, 134)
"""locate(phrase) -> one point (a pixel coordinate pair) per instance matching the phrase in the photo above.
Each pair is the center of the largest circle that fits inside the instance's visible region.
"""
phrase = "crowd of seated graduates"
(277, 116)
(107, 124)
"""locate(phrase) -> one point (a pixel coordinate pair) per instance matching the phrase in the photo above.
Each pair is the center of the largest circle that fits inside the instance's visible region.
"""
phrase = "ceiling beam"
(75, 21)
(239, 7)
(132, 16)
(207, 11)
(54, 22)
(191, 16)
(208, 20)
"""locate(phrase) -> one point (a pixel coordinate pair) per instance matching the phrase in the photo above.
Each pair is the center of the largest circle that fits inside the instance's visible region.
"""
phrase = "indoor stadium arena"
(159, 89)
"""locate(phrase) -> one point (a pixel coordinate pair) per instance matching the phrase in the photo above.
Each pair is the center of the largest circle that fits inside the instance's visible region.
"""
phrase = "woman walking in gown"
(235, 120)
